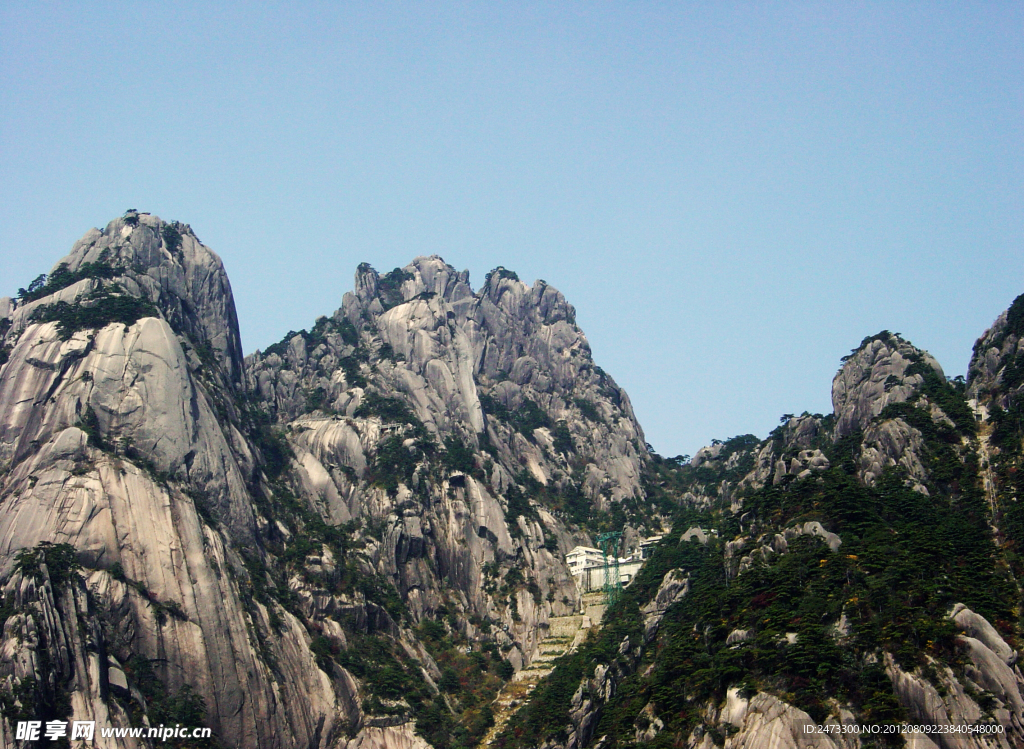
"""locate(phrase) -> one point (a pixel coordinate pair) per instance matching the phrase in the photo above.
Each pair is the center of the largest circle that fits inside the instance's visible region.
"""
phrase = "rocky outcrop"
(428, 440)
(388, 737)
(674, 585)
(996, 370)
(120, 440)
(501, 385)
(768, 546)
(977, 627)
(952, 702)
(164, 263)
(888, 444)
(766, 722)
(875, 375)
(694, 534)
(801, 465)
(885, 370)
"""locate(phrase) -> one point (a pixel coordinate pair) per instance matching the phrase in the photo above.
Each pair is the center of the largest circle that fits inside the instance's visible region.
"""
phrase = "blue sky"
(731, 194)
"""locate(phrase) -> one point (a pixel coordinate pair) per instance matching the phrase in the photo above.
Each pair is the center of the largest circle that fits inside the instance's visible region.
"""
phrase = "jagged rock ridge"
(852, 569)
(267, 541)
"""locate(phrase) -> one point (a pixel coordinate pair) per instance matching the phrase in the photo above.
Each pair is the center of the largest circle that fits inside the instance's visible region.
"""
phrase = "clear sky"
(731, 194)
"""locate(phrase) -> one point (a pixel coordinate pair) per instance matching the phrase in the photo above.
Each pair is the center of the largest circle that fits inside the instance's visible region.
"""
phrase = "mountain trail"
(565, 633)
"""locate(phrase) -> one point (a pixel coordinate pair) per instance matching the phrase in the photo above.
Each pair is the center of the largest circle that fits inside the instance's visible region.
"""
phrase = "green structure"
(609, 545)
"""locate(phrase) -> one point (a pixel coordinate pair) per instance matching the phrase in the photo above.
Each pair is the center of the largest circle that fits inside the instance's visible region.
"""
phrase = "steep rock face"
(117, 438)
(138, 385)
(888, 444)
(996, 371)
(273, 538)
(497, 387)
(881, 371)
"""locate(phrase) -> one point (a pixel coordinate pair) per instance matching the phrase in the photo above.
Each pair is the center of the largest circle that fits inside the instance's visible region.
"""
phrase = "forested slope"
(855, 568)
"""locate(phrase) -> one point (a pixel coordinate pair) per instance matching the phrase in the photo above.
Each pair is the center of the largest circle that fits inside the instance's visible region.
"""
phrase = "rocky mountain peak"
(357, 544)
(996, 371)
(431, 276)
(884, 369)
(376, 293)
(164, 263)
(505, 366)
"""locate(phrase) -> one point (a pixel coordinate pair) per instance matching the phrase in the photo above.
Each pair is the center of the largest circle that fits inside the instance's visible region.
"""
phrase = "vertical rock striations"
(471, 428)
(262, 545)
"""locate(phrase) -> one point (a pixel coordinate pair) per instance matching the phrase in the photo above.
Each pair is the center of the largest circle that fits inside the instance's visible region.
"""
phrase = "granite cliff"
(355, 537)
(349, 539)
(855, 569)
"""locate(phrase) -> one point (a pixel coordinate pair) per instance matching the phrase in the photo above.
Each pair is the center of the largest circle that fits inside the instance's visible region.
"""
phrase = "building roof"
(585, 550)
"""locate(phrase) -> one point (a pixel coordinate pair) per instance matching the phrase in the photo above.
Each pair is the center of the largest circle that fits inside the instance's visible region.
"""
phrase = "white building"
(583, 557)
(594, 578)
(587, 565)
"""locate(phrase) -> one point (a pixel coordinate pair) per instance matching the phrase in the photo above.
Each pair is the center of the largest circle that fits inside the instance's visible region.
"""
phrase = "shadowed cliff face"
(257, 545)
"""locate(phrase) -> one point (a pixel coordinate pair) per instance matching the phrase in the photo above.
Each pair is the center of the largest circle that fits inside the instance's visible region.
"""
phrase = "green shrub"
(525, 419)
(184, 708)
(432, 630)
(101, 310)
(388, 409)
(946, 396)
(449, 681)
(458, 456)
(323, 650)
(389, 287)
(90, 424)
(506, 670)
(353, 376)
(61, 563)
(172, 238)
(498, 274)
(393, 464)
(563, 439)
(61, 278)
(274, 448)
(588, 410)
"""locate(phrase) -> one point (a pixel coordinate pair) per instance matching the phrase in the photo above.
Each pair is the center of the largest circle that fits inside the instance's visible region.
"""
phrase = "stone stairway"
(565, 633)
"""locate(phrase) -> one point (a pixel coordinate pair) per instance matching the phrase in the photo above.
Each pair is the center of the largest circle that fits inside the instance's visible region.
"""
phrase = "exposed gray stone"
(874, 376)
(694, 534)
(978, 627)
(891, 443)
(129, 443)
(118, 681)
